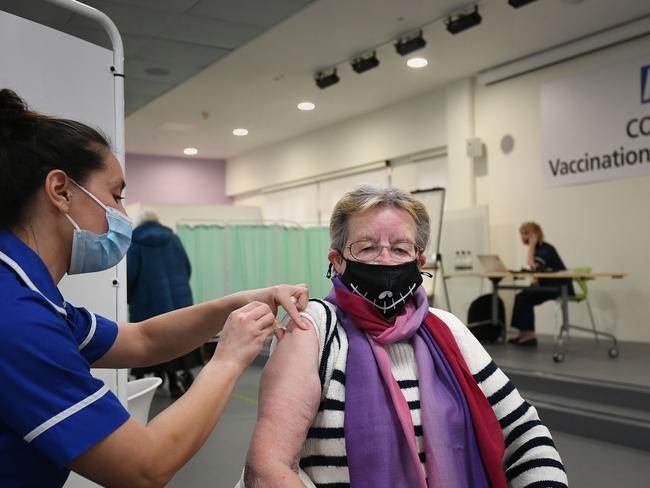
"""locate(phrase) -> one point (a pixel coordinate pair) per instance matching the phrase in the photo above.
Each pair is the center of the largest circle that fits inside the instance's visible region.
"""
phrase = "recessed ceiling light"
(190, 151)
(417, 63)
(306, 106)
(240, 132)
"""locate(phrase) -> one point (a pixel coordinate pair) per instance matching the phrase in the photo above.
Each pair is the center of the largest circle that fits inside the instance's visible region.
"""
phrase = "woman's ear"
(334, 257)
(422, 259)
(57, 189)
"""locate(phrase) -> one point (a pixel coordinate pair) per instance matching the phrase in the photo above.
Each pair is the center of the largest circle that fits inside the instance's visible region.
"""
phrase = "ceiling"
(259, 86)
(275, 48)
(165, 41)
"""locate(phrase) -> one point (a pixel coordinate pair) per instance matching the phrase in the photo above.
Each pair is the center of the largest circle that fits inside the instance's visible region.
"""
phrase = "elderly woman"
(381, 390)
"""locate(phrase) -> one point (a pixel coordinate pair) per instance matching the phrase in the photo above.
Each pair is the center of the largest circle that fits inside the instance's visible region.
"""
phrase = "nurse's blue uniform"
(51, 408)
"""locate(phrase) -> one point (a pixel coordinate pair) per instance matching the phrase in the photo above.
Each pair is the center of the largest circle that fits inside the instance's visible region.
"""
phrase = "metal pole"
(117, 69)
(435, 254)
(444, 284)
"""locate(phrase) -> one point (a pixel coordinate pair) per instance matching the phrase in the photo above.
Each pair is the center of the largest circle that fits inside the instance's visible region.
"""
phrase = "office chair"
(582, 296)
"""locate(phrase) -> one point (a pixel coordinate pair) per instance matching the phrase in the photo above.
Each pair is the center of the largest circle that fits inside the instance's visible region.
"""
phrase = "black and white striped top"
(530, 458)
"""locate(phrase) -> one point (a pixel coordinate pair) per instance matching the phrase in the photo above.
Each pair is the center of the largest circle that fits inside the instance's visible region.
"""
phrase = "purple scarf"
(379, 432)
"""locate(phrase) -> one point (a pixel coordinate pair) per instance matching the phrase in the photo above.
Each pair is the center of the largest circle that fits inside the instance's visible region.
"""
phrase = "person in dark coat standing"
(158, 272)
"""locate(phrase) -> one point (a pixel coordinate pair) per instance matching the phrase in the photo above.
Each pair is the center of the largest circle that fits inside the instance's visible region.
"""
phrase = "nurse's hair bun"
(12, 108)
(11, 104)
(33, 144)
(16, 119)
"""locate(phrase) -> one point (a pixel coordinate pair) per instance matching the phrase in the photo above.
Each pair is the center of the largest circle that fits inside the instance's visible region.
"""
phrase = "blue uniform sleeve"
(48, 396)
(93, 333)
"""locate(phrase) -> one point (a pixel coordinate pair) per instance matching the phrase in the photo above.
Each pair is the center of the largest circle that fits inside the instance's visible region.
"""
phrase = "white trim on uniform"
(21, 273)
(65, 414)
(91, 332)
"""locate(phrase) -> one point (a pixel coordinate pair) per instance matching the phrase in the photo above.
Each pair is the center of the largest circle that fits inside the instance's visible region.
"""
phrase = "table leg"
(558, 356)
(565, 307)
(495, 309)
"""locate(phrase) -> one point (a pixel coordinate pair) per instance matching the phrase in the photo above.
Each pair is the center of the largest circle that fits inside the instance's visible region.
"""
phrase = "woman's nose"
(384, 257)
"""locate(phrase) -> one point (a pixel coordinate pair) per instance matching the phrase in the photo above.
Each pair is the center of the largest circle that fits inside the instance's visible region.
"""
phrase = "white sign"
(596, 126)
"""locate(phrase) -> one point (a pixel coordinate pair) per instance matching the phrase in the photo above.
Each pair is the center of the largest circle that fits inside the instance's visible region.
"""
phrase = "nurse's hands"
(292, 298)
(244, 333)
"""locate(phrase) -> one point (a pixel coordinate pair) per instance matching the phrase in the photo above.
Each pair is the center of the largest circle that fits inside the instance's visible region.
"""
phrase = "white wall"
(310, 204)
(405, 128)
(460, 122)
(170, 214)
(420, 174)
(603, 225)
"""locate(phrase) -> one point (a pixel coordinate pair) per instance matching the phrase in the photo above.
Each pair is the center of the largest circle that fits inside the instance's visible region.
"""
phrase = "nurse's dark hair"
(32, 145)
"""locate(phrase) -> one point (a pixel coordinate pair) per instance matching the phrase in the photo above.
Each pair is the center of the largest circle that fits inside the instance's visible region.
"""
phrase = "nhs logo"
(645, 84)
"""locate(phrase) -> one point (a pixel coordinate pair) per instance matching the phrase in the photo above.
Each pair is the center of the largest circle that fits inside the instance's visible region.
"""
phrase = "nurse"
(61, 211)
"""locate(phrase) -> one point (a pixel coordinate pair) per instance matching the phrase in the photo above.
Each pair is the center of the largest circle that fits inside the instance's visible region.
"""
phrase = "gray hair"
(148, 215)
(365, 197)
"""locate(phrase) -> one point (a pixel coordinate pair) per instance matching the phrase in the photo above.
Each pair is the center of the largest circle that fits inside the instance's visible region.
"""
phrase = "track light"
(361, 64)
(323, 81)
(463, 21)
(406, 46)
(519, 3)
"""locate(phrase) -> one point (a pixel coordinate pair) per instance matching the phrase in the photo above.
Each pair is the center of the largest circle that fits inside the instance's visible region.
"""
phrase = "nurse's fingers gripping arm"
(292, 299)
(244, 334)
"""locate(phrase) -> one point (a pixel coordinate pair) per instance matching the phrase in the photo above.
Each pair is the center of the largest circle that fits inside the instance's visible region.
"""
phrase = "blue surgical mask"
(93, 252)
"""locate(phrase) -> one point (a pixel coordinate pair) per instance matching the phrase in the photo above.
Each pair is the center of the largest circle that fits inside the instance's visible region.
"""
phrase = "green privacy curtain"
(205, 246)
(226, 259)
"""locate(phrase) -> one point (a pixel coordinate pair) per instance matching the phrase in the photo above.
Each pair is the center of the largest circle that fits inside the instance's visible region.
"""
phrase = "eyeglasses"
(366, 251)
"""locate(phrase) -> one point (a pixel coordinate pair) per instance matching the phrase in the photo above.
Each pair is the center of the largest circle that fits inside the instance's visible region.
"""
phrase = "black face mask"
(387, 287)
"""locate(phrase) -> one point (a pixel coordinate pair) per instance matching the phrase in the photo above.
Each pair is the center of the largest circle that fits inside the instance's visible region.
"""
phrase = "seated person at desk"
(383, 391)
(542, 256)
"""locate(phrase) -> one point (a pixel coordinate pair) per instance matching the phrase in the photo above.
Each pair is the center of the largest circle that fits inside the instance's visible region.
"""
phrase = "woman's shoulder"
(456, 325)
(322, 314)
(331, 337)
(544, 246)
(474, 353)
(20, 304)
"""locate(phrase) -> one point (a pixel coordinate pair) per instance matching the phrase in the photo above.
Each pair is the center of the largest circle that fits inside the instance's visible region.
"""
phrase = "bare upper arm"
(289, 397)
(128, 349)
(117, 460)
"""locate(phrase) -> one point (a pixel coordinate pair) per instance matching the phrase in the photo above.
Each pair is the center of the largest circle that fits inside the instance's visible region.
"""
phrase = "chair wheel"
(558, 357)
(613, 352)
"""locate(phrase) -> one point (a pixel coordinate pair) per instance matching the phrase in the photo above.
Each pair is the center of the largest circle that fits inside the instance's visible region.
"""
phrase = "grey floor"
(583, 358)
(589, 463)
(220, 461)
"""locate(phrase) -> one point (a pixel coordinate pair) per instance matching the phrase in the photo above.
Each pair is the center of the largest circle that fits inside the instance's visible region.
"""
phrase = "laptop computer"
(492, 263)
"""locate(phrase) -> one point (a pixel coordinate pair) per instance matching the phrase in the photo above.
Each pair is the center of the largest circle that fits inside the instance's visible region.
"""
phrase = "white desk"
(496, 277)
